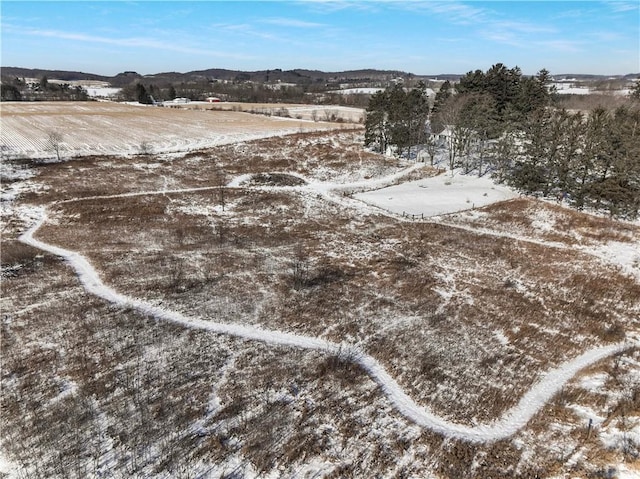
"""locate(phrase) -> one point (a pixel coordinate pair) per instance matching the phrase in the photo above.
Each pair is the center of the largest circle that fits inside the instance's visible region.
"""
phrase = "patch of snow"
(543, 220)
(587, 414)
(357, 91)
(623, 437)
(624, 254)
(624, 472)
(7, 468)
(593, 383)
(502, 339)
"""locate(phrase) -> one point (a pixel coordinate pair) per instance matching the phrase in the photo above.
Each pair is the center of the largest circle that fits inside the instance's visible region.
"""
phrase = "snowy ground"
(166, 318)
(438, 195)
(504, 427)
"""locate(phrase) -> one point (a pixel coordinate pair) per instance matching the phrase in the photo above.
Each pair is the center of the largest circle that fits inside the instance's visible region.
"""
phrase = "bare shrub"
(145, 148)
(276, 179)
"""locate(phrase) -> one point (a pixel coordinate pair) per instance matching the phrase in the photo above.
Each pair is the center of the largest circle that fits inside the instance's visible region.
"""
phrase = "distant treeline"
(16, 89)
(269, 86)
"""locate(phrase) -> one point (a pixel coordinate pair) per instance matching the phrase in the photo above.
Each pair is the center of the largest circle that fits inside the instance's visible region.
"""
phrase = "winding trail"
(513, 420)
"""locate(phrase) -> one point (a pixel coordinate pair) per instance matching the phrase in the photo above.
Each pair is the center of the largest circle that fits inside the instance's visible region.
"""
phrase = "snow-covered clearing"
(438, 195)
(102, 92)
(357, 91)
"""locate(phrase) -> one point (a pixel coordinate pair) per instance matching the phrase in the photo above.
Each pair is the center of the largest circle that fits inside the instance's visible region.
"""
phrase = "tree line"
(509, 125)
(146, 91)
(16, 89)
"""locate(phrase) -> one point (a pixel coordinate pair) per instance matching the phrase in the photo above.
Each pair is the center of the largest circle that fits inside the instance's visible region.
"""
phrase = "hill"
(297, 76)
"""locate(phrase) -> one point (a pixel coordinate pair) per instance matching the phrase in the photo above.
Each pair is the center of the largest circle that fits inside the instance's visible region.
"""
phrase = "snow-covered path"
(507, 425)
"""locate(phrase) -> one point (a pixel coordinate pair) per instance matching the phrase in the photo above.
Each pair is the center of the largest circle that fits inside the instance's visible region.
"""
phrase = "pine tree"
(397, 118)
(442, 96)
(142, 95)
(634, 94)
(376, 134)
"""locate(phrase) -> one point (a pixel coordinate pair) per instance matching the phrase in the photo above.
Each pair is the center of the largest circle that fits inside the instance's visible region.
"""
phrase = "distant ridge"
(275, 75)
(53, 74)
(298, 76)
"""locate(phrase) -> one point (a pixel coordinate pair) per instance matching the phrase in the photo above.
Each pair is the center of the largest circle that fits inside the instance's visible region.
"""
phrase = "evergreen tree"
(397, 118)
(480, 120)
(634, 94)
(530, 171)
(142, 95)
(417, 107)
(376, 134)
(9, 92)
(441, 98)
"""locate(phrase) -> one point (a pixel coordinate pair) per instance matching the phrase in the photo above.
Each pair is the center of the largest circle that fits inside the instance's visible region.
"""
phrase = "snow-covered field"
(237, 312)
(94, 128)
(357, 91)
(438, 195)
(292, 110)
(102, 92)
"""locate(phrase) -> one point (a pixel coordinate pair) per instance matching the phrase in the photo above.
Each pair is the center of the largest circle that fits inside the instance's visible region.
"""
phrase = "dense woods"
(509, 125)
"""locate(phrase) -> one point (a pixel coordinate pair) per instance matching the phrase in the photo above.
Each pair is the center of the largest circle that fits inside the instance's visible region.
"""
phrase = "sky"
(421, 37)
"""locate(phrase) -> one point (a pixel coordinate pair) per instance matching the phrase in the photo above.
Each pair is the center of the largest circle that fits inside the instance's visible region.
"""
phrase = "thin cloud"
(569, 46)
(456, 12)
(141, 42)
(245, 29)
(605, 36)
(522, 27)
(623, 6)
(576, 14)
(292, 22)
(507, 38)
(513, 33)
(332, 6)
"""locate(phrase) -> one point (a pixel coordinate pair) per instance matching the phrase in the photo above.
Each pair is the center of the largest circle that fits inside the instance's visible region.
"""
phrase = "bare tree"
(54, 142)
(431, 147)
(221, 182)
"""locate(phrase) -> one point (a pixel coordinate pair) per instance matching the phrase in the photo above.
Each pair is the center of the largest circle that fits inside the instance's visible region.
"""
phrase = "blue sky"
(422, 37)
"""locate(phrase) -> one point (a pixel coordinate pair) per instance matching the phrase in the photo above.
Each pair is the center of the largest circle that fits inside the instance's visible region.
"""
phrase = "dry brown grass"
(426, 300)
(522, 216)
(308, 285)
